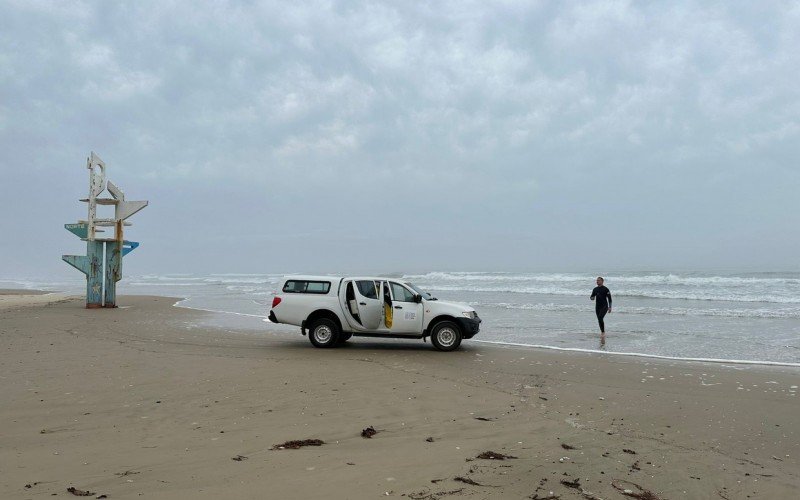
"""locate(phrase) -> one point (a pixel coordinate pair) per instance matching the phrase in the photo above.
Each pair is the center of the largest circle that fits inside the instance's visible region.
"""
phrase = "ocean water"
(723, 316)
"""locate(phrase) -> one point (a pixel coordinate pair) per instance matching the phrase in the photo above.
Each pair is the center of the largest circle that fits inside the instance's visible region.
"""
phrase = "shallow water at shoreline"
(746, 317)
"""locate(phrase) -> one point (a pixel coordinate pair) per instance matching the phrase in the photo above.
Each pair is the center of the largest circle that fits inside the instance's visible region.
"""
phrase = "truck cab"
(334, 309)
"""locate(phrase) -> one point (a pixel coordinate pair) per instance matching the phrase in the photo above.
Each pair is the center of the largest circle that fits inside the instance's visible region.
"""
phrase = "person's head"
(599, 280)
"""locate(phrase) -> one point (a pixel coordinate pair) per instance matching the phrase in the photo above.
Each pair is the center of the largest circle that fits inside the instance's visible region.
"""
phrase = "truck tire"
(324, 332)
(446, 336)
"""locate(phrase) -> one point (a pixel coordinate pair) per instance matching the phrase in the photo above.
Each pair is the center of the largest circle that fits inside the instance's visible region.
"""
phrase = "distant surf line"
(634, 294)
(756, 313)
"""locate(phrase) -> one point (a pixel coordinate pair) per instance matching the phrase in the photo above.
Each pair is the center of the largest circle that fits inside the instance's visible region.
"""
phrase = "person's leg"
(600, 315)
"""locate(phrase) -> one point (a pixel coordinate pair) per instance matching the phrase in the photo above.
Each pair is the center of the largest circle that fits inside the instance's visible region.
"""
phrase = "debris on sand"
(451, 492)
(368, 432)
(426, 495)
(239, 458)
(466, 480)
(491, 455)
(567, 447)
(430, 439)
(628, 451)
(294, 445)
(551, 496)
(102, 496)
(574, 484)
(635, 466)
(79, 493)
(484, 419)
(126, 473)
(640, 493)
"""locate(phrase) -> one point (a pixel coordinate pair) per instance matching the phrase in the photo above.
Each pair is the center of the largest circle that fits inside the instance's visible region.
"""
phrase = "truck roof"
(310, 277)
(333, 278)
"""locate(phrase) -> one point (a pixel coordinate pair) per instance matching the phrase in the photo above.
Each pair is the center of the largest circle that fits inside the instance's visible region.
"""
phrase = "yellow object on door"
(387, 315)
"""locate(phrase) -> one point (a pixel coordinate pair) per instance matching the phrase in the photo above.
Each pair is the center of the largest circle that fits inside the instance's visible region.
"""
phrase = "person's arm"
(594, 292)
(609, 301)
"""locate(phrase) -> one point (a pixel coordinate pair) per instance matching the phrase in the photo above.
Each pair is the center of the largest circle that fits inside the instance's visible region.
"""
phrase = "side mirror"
(418, 298)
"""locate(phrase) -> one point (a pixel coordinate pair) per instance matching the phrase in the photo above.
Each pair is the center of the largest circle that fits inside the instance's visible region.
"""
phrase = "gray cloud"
(347, 135)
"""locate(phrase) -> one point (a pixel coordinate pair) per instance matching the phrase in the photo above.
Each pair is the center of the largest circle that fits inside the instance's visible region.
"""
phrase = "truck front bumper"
(469, 327)
(272, 317)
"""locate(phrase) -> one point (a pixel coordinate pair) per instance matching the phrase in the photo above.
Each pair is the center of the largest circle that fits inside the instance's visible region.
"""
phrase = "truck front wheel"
(446, 336)
(324, 332)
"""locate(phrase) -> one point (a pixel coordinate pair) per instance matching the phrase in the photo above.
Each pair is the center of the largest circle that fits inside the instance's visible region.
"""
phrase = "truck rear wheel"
(324, 332)
(446, 336)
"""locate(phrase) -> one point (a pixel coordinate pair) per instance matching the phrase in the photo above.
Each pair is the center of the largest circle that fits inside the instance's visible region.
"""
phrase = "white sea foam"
(233, 281)
(711, 295)
(654, 279)
(642, 355)
(148, 283)
(671, 311)
(170, 277)
(780, 289)
(181, 303)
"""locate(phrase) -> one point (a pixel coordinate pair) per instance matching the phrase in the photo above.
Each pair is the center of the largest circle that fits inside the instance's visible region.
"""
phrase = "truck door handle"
(362, 303)
(398, 307)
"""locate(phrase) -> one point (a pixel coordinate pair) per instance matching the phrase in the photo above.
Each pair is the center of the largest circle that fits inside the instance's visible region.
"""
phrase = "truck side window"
(317, 287)
(294, 287)
(401, 293)
(302, 286)
(367, 289)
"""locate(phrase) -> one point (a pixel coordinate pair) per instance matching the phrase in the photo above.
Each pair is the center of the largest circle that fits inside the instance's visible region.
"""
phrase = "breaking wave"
(778, 289)
(779, 313)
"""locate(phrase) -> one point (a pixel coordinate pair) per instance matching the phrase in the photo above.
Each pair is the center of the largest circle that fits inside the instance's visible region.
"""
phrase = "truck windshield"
(425, 295)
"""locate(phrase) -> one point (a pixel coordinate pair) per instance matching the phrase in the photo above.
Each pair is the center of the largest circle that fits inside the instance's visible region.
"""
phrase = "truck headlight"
(469, 314)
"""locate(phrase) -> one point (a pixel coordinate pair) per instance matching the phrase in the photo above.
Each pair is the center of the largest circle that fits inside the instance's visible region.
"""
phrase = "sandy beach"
(141, 401)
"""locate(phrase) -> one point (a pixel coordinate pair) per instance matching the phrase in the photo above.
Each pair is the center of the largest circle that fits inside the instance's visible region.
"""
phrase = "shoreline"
(145, 400)
(648, 356)
(548, 347)
(263, 318)
(23, 291)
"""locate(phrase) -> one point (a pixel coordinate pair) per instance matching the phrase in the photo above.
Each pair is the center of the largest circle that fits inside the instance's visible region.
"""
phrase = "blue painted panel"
(80, 230)
(128, 247)
(79, 262)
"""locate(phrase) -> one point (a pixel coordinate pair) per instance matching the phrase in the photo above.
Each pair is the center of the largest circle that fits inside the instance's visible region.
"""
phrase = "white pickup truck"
(335, 309)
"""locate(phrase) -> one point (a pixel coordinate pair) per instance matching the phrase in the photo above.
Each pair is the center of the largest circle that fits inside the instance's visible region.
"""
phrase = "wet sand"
(17, 298)
(140, 401)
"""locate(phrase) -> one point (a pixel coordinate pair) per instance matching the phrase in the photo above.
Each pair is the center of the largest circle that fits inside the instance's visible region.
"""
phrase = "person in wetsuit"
(602, 297)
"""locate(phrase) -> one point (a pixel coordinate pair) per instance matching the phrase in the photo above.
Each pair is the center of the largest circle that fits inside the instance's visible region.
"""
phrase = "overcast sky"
(406, 136)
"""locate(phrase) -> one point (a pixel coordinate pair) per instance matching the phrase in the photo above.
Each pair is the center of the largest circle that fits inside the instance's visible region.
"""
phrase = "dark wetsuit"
(602, 298)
